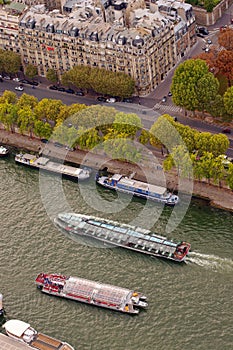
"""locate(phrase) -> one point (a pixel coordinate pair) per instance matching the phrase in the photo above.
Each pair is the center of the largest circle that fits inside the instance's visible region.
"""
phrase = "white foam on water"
(210, 261)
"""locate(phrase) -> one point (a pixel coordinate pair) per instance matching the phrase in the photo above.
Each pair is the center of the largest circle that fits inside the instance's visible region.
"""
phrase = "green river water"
(190, 305)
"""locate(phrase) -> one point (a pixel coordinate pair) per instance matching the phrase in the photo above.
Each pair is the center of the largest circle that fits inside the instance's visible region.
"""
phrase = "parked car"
(79, 93)
(111, 100)
(226, 131)
(53, 87)
(24, 81)
(19, 88)
(16, 79)
(34, 83)
(69, 91)
(6, 77)
(44, 141)
(164, 99)
(61, 89)
(58, 144)
(169, 94)
(209, 42)
(127, 100)
(101, 98)
(200, 35)
(1, 80)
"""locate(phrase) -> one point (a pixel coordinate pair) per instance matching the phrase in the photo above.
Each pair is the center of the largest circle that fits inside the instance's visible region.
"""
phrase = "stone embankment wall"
(209, 18)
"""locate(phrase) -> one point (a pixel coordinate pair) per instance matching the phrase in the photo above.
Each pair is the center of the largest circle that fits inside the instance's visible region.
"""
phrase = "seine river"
(190, 305)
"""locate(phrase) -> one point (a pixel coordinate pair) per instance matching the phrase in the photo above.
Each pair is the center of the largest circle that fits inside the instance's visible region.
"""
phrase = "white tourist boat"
(46, 164)
(23, 332)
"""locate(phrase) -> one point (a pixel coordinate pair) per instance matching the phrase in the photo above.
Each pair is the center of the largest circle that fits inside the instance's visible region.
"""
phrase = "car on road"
(69, 91)
(203, 30)
(53, 87)
(61, 89)
(111, 100)
(19, 88)
(44, 141)
(101, 99)
(209, 42)
(226, 131)
(164, 99)
(58, 144)
(6, 77)
(127, 100)
(16, 79)
(169, 94)
(79, 93)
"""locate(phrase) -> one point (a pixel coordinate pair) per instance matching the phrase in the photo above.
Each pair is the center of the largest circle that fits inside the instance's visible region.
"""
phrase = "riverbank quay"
(7, 343)
(218, 197)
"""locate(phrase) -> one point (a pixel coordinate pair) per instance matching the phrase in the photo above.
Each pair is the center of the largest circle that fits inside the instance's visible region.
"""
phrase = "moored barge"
(46, 164)
(139, 189)
(91, 292)
(122, 235)
(24, 333)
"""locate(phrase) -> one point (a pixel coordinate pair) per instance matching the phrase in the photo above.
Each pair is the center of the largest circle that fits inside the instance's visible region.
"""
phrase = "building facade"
(143, 40)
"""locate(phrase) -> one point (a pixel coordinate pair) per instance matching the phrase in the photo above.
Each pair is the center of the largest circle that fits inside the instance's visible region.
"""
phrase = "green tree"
(41, 129)
(51, 75)
(26, 120)
(185, 83)
(216, 107)
(8, 115)
(48, 109)
(8, 96)
(229, 177)
(228, 100)
(207, 90)
(9, 62)
(27, 100)
(127, 124)
(31, 71)
(122, 149)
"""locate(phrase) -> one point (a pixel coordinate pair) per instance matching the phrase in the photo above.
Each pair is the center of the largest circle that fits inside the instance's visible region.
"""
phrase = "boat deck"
(7, 343)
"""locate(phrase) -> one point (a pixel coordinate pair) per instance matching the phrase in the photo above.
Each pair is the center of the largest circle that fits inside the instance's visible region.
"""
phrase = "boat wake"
(210, 261)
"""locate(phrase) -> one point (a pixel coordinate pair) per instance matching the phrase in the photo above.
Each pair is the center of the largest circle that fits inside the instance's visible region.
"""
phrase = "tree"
(27, 100)
(8, 115)
(185, 83)
(122, 149)
(229, 178)
(31, 71)
(207, 89)
(228, 101)
(51, 75)
(216, 107)
(9, 62)
(26, 120)
(8, 96)
(41, 129)
(225, 39)
(224, 63)
(48, 109)
(127, 124)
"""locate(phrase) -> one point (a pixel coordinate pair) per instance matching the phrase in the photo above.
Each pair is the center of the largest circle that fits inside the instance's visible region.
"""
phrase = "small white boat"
(24, 333)
(46, 164)
(3, 151)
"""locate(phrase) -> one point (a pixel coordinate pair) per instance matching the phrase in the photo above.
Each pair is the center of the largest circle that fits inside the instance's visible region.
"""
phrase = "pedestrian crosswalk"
(167, 108)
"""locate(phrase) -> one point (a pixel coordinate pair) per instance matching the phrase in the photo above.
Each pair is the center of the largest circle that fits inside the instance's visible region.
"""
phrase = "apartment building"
(139, 39)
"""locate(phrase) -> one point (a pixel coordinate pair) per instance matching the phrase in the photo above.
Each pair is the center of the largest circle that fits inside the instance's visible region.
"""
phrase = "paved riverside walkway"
(7, 343)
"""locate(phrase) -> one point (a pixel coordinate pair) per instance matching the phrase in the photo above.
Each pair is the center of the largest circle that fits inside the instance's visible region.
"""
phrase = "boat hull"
(80, 232)
(135, 193)
(54, 172)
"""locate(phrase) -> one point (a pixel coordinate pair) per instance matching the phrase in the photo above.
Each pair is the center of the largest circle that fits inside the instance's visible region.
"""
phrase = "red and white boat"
(91, 292)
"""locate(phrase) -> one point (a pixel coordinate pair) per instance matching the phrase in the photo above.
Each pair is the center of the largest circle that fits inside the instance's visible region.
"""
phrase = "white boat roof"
(16, 327)
(142, 185)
